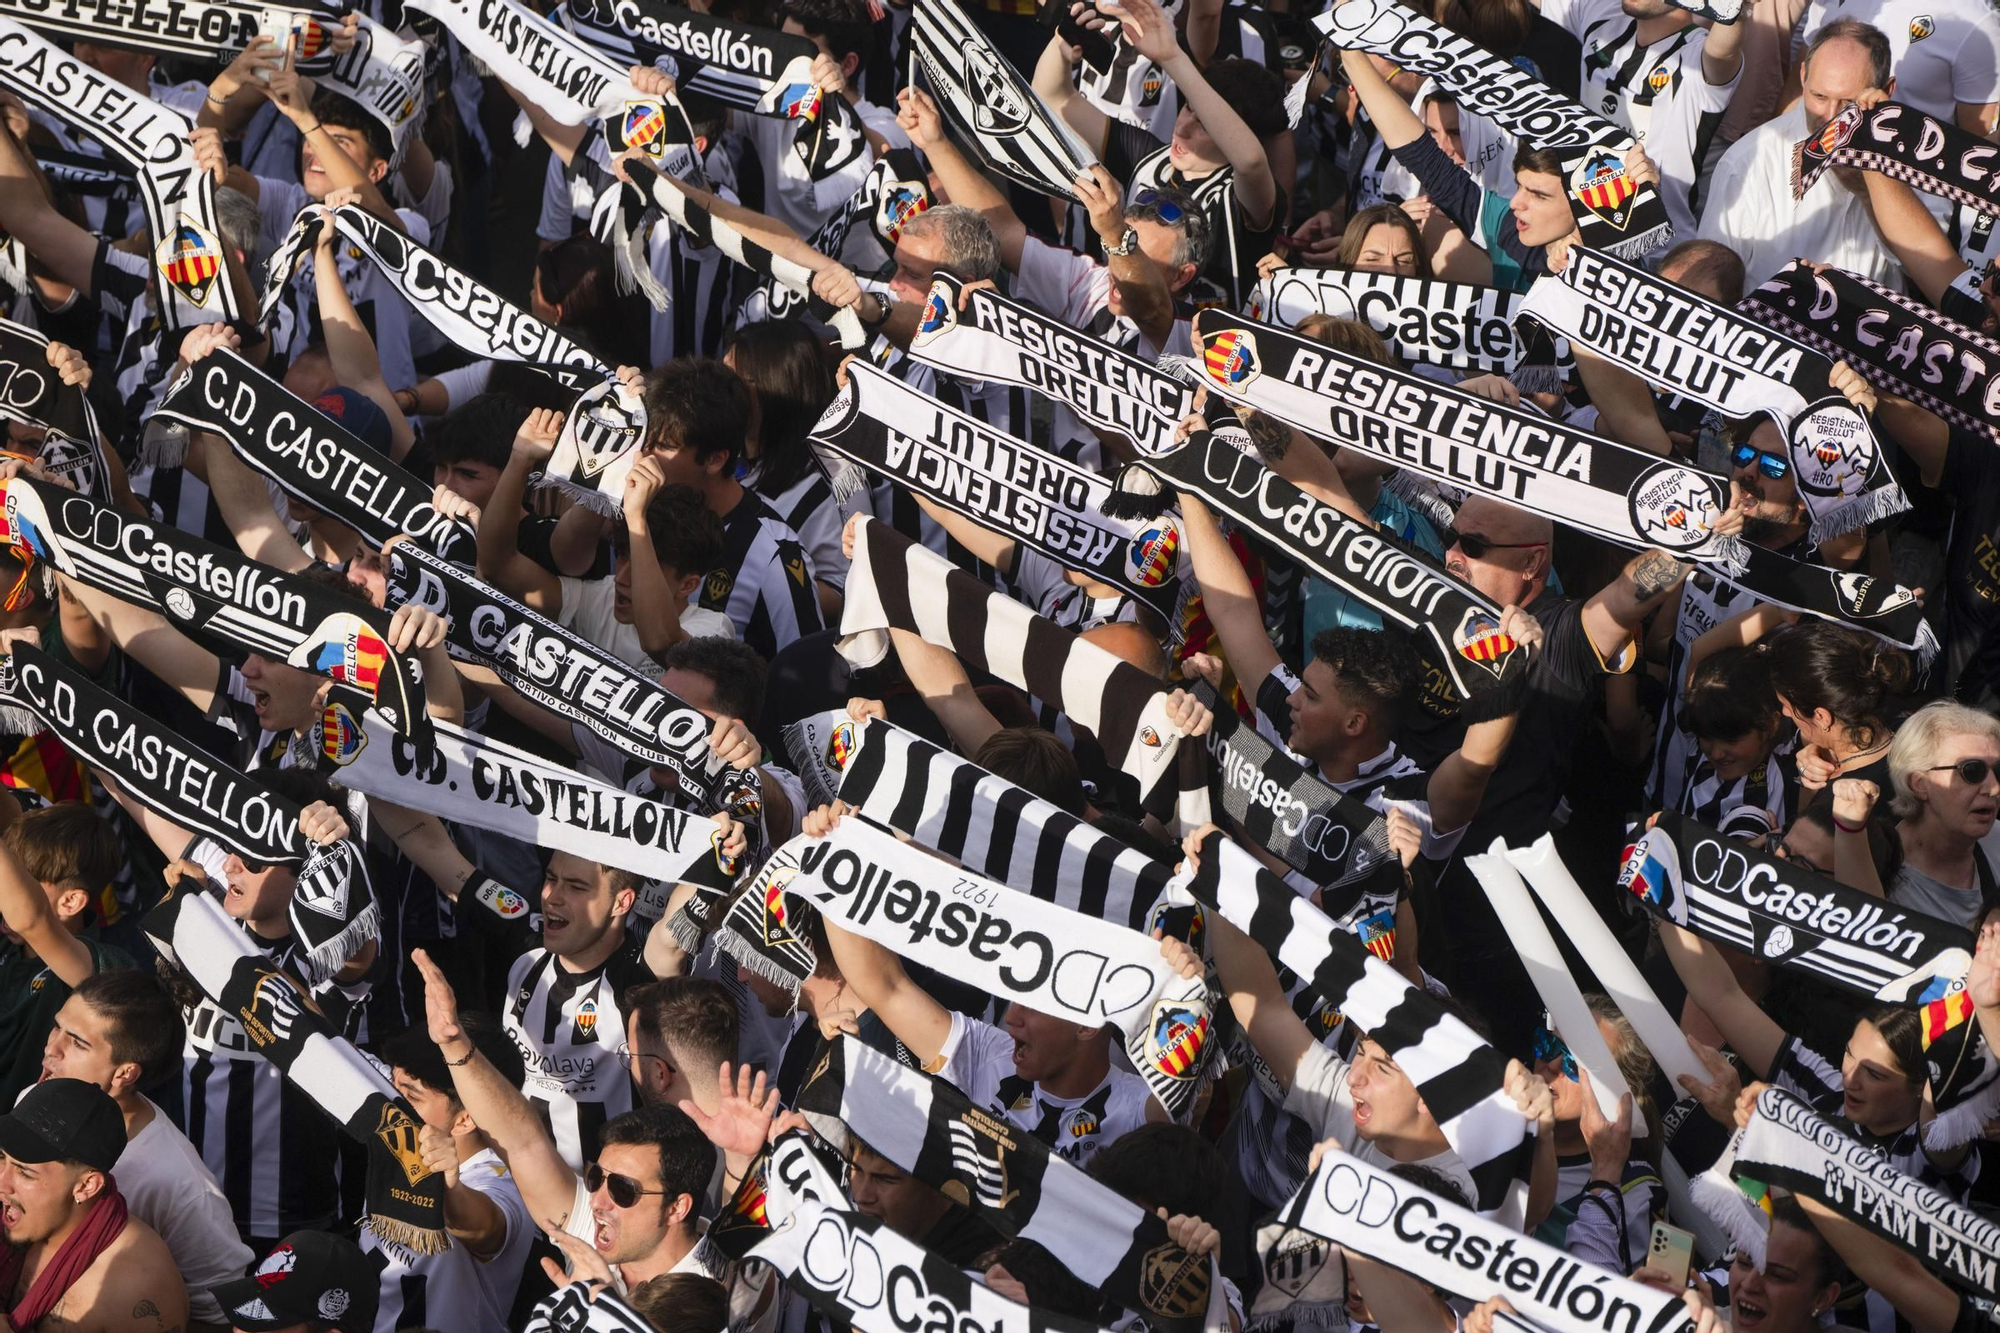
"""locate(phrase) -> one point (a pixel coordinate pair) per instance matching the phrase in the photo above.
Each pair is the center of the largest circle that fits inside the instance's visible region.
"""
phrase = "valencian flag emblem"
(901, 201)
(1177, 1036)
(1378, 934)
(1644, 874)
(1945, 1004)
(1231, 358)
(312, 39)
(1480, 639)
(937, 312)
(341, 737)
(1153, 554)
(190, 260)
(645, 127)
(1604, 188)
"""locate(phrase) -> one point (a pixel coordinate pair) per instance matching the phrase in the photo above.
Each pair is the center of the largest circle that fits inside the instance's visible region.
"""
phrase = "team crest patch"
(1079, 1122)
(1175, 1036)
(1657, 81)
(645, 127)
(778, 930)
(345, 650)
(1864, 597)
(341, 738)
(1674, 506)
(504, 901)
(799, 101)
(840, 746)
(1152, 554)
(1378, 934)
(1149, 738)
(1173, 1283)
(998, 108)
(1186, 922)
(980, 1145)
(190, 261)
(938, 313)
(1944, 1004)
(715, 589)
(1231, 358)
(1644, 876)
(724, 862)
(1479, 638)
(901, 201)
(1921, 27)
(1833, 136)
(1832, 452)
(586, 1021)
(1150, 87)
(312, 39)
(1604, 188)
(398, 1134)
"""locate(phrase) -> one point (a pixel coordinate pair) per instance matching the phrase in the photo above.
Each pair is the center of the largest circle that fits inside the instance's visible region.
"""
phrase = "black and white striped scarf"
(759, 926)
(1010, 1179)
(307, 453)
(1439, 323)
(333, 910)
(1901, 142)
(896, 189)
(990, 106)
(405, 1196)
(894, 583)
(997, 340)
(1898, 345)
(1001, 483)
(1732, 364)
(1458, 1075)
(1613, 213)
(190, 273)
(583, 1307)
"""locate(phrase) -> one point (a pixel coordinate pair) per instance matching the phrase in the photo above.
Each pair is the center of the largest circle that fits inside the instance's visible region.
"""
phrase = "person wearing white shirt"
(1751, 208)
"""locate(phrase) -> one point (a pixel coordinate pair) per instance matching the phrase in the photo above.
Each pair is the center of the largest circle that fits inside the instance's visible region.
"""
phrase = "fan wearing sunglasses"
(1945, 765)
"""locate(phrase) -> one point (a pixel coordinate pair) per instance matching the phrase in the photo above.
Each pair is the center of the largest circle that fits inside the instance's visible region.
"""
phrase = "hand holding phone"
(1671, 1251)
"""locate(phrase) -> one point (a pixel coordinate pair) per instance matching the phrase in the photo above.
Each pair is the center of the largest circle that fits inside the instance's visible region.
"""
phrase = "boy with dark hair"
(469, 445)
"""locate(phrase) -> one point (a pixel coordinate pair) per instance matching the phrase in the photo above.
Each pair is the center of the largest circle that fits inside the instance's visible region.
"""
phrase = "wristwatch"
(883, 305)
(1126, 243)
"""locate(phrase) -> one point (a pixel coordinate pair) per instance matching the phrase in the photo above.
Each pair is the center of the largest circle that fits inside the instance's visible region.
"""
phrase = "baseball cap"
(311, 1275)
(64, 1120)
(359, 414)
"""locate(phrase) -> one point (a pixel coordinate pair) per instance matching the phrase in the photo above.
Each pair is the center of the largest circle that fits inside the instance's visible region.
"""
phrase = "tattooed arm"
(1612, 618)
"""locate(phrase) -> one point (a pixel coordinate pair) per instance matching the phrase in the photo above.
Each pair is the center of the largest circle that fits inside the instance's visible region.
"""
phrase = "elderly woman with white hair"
(1945, 764)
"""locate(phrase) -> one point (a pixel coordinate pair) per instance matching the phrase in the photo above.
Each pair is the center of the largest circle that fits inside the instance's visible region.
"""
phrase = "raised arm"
(1226, 595)
(1142, 291)
(1612, 616)
(26, 213)
(292, 93)
(501, 562)
(1458, 783)
(918, 117)
(1749, 1031)
(349, 346)
(1055, 84)
(876, 976)
(1151, 33)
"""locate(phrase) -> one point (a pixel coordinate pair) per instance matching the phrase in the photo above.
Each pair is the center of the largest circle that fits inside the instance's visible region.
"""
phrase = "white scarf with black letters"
(1440, 323)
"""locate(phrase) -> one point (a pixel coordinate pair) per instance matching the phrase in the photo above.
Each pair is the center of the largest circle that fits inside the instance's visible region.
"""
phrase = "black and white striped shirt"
(765, 583)
(570, 1027)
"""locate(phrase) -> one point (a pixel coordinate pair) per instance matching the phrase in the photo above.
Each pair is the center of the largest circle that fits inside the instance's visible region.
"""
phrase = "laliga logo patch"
(508, 904)
(840, 746)
(1921, 27)
(938, 313)
(586, 1021)
(341, 736)
(645, 127)
(189, 260)
(1151, 554)
(1604, 188)
(776, 929)
(1832, 452)
(1000, 109)
(1674, 506)
(1174, 1037)
(1231, 358)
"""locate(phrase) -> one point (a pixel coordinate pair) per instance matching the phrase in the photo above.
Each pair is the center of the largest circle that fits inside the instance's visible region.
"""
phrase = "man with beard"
(79, 1259)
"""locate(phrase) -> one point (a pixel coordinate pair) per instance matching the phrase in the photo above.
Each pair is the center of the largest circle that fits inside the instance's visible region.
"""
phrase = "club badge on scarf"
(1451, 324)
(998, 340)
(1901, 142)
(1041, 501)
(333, 911)
(894, 583)
(1054, 961)
(190, 283)
(794, 1170)
(32, 393)
(989, 104)
(762, 927)
(1898, 345)
(384, 73)
(310, 456)
(216, 596)
(281, 1024)
(1613, 212)
(1732, 364)
(820, 744)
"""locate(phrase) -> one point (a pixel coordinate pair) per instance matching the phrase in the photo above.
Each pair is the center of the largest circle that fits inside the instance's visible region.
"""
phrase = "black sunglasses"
(1774, 466)
(1476, 546)
(1974, 771)
(624, 1190)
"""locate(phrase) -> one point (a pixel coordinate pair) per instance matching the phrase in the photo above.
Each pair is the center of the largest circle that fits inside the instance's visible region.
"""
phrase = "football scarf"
(470, 315)
(1613, 212)
(1887, 610)
(820, 745)
(471, 779)
(790, 1173)
(762, 928)
(1016, 947)
(896, 189)
(1901, 142)
(1732, 364)
(191, 284)
(1451, 324)
(333, 911)
(582, 1307)
(384, 73)
(1787, 1145)
(219, 598)
(1000, 341)
(1028, 494)
(309, 455)
(1458, 628)
(571, 677)
(1459, 1076)
(895, 583)
(1377, 1213)
(204, 29)
(1008, 1177)
(32, 393)
(405, 1197)
(858, 1273)
(1899, 345)
(990, 106)
(600, 439)
(749, 68)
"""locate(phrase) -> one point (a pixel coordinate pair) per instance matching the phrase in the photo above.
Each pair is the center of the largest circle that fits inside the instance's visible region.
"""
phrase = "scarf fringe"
(330, 955)
(1538, 379)
(1300, 1314)
(1638, 247)
(163, 443)
(588, 496)
(1964, 1122)
(19, 721)
(1731, 1209)
(423, 1240)
(1137, 493)
(846, 477)
(1730, 554)
(1870, 506)
(732, 942)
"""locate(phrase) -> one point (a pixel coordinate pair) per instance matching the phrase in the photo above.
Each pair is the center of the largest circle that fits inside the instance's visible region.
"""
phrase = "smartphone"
(277, 25)
(1671, 1251)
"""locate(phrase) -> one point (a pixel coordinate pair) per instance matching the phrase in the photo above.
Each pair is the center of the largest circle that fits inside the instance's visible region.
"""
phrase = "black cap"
(312, 1275)
(64, 1120)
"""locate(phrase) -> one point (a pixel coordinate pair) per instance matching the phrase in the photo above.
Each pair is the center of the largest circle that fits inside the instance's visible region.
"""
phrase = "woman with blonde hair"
(1945, 767)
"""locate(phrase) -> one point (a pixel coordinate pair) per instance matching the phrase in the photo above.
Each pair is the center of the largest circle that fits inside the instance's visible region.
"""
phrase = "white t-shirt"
(1075, 290)
(1658, 92)
(979, 1061)
(170, 1189)
(587, 608)
(1943, 52)
(1751, 210)
(452, 1291)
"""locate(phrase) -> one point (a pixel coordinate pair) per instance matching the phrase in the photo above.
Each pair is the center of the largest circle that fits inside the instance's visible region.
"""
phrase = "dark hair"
(1869, 37)
(145, 1024)
(1885, 849)
(682, 1303)
(735, 668)
(1903, 1032)
(698, 404)
(707, 117)
(303, 786)
(68, 844)
(687, 1158)
(690, 1014)
(1712, 264)
(336, 111)
(413, 1052)
(1730, 696)
(1050, 1284)
(686, 534)
(1380, 215)
(1376, 669)
(479, 430)
(1498, 25)
(784, 365)
(1827, 1267)
(1254, 91)
(1545, 160)
(847, 25)
(1163, 1166)
(577, 274)
(1432, 1179)
(1352, 336)
(1818, 664)
(1034, 759)
(1197, 233)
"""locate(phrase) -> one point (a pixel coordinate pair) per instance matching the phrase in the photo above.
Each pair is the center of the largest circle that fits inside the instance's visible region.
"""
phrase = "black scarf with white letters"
(1902, 142)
